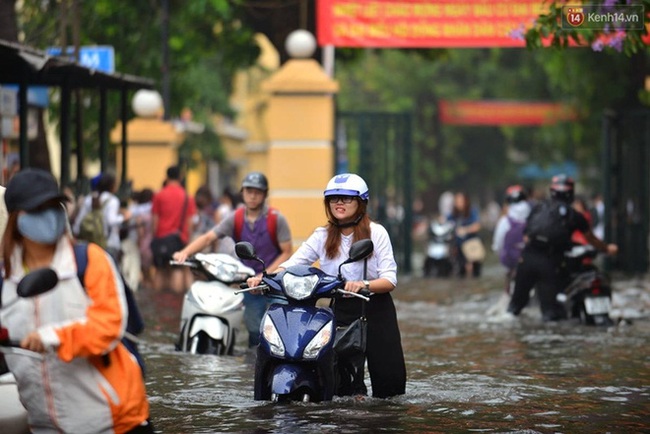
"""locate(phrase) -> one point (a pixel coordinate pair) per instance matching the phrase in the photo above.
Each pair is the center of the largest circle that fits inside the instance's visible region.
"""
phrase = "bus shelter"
(25, 66)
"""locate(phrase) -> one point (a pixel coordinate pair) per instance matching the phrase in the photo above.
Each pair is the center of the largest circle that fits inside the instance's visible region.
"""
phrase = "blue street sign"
(98, 57)
(36, 95)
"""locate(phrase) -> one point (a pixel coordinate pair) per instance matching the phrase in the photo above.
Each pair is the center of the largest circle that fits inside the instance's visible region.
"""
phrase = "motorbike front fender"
(214, 327)
(288, 378)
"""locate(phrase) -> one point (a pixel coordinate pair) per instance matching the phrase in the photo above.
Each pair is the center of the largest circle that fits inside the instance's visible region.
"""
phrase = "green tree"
(614, 36)
(207, 44)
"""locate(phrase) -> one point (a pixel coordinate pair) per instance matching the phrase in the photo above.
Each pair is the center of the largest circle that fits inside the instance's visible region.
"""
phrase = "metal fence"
(378, 147)
(626, 188)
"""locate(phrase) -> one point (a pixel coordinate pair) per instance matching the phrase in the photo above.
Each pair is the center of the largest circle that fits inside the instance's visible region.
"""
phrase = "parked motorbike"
(438, 258)
(588, 295)
(295, 358)
(212, 311)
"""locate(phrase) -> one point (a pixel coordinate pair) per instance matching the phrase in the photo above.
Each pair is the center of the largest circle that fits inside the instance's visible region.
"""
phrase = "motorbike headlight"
(272, 336)
(318, 342)
(299, 287)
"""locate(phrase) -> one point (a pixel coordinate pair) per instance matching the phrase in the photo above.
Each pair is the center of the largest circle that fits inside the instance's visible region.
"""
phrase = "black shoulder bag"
(351, 339)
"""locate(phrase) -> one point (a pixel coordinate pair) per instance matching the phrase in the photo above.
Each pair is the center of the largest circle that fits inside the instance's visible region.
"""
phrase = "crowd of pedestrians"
(130, 226)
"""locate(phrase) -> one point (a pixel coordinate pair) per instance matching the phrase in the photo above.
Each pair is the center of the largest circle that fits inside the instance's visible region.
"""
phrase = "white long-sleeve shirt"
(381, 264)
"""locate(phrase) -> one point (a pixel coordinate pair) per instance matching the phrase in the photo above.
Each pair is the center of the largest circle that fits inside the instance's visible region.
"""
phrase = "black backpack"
(548, 225)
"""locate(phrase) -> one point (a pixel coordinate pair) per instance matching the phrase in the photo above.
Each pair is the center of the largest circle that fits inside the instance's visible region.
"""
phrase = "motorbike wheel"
(595, 320)
(444, 269)
(202, 343)
(585, 318)
(602, 320)
(427, 267)
(231, 347)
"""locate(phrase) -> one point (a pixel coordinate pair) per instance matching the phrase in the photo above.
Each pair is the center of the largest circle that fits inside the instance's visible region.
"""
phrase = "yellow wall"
(293, 167)
(304, 214)
(295, 117)
(299, 120)
(152, 148)
(147, 164)
(287, 114)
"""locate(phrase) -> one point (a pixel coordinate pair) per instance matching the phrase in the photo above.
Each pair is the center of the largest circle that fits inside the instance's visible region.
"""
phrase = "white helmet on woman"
(347, 184)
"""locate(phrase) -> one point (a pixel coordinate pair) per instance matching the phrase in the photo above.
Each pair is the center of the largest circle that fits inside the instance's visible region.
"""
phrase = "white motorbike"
(212, 313)
(438, 261)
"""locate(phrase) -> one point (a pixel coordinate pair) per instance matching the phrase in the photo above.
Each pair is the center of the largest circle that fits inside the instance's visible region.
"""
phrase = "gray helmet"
(255, 180)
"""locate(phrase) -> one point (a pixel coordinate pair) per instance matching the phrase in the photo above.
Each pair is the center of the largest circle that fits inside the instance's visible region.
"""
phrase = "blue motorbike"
(296, 357)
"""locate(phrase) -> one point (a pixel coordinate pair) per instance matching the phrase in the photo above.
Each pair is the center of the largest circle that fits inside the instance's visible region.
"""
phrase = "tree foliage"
(483, 160)
(610, 37)
(207, 44)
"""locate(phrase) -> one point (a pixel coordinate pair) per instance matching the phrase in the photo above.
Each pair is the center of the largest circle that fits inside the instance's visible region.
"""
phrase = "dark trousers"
(544, 270)
(383, 348)
(255, 306)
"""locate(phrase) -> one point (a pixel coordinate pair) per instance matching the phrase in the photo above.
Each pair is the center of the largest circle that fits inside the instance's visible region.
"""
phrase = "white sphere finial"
(300, 44)
(147, 103)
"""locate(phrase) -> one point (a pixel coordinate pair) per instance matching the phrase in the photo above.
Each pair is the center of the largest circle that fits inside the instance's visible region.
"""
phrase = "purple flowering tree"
(620, 26)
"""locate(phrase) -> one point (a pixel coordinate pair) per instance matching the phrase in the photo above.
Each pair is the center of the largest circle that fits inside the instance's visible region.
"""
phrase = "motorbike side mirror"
(245, 250)
(37, 282)
(358, 251)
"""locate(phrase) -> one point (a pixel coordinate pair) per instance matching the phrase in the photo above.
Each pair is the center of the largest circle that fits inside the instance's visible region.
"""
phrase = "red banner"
(425, 23)
(503, 113)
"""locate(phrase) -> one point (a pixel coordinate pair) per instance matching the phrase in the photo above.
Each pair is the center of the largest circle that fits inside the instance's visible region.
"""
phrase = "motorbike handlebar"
(183, 263)
(13, 347)
(10, 343)
(355, 294)
(244, 286)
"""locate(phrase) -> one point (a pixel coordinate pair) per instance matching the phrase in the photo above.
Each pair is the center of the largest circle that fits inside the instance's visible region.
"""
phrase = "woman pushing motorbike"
(346, 199)
(82, 379)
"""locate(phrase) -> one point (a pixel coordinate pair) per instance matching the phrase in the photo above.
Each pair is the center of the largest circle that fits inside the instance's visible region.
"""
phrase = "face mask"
(44, 227)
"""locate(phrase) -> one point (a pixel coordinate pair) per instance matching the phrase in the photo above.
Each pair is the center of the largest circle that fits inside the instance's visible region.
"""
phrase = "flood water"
(467, 371)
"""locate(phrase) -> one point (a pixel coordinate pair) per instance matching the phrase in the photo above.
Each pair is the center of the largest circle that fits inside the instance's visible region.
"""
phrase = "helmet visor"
(341, 192)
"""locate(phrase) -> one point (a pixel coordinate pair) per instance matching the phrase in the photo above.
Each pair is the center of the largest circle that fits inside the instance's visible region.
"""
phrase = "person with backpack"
(508, 238)
(264, 227)
(548, 232)
(76, 375)
(101, 216)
